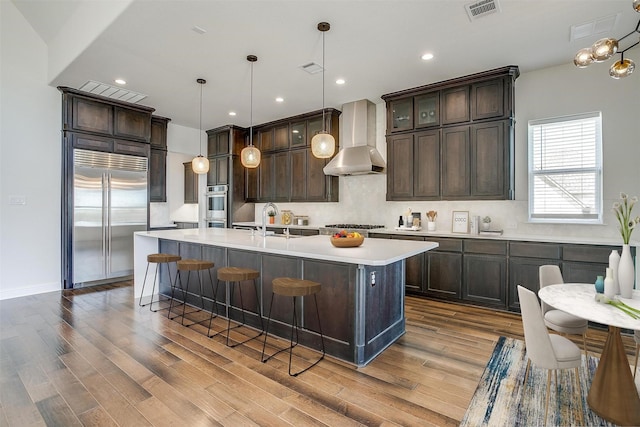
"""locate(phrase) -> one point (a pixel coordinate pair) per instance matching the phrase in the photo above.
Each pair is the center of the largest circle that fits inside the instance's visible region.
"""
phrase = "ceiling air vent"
(481, 8)
(598, 26)
(311, 68)
(114, 92)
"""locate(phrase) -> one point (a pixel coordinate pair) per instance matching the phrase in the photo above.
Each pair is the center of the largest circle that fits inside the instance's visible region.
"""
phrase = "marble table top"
(579, 299)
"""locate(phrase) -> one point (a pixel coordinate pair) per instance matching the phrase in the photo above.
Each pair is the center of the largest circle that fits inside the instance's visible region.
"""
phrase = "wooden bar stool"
(157, 259)
(237, 275)
(290, 287)
(190, 265)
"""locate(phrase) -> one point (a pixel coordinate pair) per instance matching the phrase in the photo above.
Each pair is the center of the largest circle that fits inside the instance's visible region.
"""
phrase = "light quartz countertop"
(438, 233)
(518, 237)
(371, 252)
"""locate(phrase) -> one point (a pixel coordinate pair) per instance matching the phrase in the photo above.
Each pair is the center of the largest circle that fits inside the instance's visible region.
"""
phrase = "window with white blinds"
(565, 169)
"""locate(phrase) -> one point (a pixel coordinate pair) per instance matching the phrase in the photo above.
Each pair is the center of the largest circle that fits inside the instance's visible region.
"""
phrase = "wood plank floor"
(92, 357)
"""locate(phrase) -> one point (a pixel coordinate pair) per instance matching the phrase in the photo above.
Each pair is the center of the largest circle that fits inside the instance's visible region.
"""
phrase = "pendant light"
(604, 49)
(323, 144)
(622, 68)
(200, 164)
(250, 156)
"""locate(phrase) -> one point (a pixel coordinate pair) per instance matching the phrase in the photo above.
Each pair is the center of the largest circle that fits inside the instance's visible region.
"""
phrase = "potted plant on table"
(272, 216)
(486, 222)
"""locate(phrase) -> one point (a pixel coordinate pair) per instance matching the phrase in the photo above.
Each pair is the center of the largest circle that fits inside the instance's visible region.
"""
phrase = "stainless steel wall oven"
(217, 208)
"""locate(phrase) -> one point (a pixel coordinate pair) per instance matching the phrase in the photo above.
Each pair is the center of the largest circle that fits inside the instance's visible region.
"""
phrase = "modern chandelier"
(605, 48)
(250, 155)
(323, 144)
(200, 164)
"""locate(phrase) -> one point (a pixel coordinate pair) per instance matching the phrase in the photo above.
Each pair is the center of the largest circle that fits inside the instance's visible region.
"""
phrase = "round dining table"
(613, 394)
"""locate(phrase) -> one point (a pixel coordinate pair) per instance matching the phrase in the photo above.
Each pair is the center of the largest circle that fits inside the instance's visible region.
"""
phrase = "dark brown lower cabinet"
(487, 272)
(524, 272)
(484, 279)
(445, 274)
(415, 268)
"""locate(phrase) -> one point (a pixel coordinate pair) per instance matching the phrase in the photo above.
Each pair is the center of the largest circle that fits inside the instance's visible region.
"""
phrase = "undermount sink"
(290, 236)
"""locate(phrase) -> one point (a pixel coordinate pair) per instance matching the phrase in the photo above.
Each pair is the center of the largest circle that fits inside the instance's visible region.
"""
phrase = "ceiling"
(374, 45)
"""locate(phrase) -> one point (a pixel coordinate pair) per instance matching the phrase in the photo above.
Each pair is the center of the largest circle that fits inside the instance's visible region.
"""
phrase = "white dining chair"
(546, 351)
(636, 337)
(559, 320)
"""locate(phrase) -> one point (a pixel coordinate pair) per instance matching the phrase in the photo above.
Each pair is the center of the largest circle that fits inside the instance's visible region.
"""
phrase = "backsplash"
(363, 201)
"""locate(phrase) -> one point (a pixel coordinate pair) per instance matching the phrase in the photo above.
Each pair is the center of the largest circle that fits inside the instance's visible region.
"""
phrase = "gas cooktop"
(354, 226)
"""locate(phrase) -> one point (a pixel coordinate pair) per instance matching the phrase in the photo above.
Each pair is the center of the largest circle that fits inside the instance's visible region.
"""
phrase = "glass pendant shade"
(250, 157)
(200, 164)
(604, 49)
(622, 68)
(323, 145)
(583, 58)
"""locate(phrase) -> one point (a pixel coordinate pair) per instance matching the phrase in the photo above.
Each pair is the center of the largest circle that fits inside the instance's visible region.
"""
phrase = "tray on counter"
(412, 228)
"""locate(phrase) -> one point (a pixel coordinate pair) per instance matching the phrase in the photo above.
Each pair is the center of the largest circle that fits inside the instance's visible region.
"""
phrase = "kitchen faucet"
(264, 217)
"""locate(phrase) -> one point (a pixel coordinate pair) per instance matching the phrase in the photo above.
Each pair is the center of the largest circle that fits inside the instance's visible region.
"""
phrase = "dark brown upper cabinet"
(400, 115)
(298, 135)
(488, 99)
(427, 110)
(469, 153)
(288, 171)
(158, 159)
(159, 132)
(455, 105)
(84, 112)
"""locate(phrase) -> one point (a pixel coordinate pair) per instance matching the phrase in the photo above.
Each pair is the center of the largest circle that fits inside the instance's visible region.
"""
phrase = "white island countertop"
(371, 252)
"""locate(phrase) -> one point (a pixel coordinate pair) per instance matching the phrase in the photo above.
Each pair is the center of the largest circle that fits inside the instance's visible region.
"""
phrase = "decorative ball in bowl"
(343, 239)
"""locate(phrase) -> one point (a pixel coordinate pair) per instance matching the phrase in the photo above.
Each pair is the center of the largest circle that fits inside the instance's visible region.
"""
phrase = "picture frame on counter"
(460, 222)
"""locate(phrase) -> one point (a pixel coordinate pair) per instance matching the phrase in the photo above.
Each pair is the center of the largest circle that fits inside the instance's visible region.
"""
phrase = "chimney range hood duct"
(358, 154)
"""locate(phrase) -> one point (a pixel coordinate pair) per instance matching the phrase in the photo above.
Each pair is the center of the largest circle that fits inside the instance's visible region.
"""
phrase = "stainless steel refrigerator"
(109, 205)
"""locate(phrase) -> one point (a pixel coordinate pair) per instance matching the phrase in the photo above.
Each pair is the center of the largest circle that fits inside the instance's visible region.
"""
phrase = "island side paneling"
(361, 307)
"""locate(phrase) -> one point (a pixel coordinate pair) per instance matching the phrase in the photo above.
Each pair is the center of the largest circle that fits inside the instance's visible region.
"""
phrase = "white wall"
(30, 162)
(182, 145)
(554, 91)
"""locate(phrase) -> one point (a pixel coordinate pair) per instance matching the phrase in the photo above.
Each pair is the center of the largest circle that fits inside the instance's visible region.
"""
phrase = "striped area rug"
(502, 399)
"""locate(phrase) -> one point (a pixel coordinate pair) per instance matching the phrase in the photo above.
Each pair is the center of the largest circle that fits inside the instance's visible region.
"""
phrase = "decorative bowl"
(346, 242)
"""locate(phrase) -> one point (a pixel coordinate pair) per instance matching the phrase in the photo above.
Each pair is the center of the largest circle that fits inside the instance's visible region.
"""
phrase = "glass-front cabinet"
(298, 135)
(427, 110)
(401, 115)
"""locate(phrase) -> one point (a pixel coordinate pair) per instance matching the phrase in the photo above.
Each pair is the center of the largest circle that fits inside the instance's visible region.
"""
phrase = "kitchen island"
(362, 298)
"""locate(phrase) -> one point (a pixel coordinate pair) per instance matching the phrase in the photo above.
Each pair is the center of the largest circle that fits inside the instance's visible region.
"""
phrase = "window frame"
(597, 169)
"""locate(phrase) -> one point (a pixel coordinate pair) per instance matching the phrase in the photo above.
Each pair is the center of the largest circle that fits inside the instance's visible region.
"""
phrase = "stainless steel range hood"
(358, 154)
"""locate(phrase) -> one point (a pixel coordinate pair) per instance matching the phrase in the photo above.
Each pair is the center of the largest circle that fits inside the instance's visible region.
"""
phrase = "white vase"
(626, 273)
(486, 225)
(614, 262)
(609, 290)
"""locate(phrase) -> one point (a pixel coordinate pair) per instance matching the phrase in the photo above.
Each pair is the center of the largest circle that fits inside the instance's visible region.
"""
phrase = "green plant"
(271, 213)
(486, 219)
(622, 210)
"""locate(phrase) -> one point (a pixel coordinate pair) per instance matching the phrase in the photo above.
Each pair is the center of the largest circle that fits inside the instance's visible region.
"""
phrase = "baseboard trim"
(29, 290)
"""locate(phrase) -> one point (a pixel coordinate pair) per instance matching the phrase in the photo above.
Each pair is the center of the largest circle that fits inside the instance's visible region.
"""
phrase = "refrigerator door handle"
(105, 212)
(108, 223)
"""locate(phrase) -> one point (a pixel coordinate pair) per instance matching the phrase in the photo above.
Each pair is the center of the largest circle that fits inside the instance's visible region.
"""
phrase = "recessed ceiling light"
(120, 82)
(279, 99)
(295, 131)
(340, 81)
(427, 56)
(232, 113)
